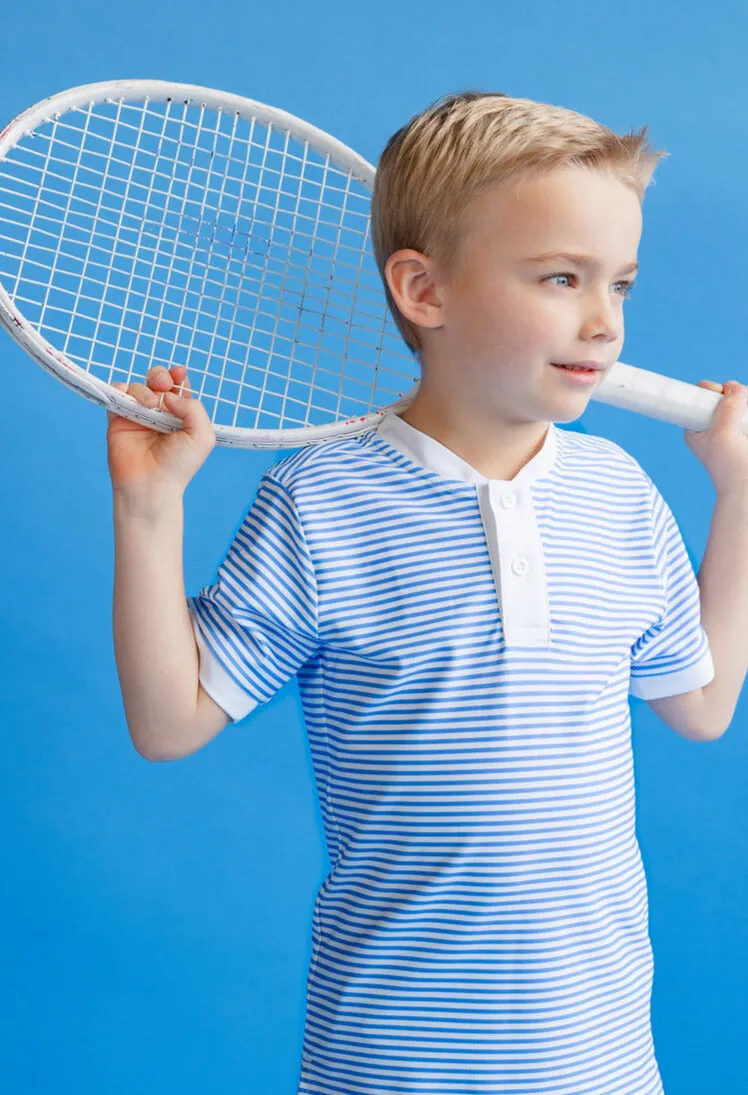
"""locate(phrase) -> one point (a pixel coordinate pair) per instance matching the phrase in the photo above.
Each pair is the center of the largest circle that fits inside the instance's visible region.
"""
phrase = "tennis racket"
(144, 222)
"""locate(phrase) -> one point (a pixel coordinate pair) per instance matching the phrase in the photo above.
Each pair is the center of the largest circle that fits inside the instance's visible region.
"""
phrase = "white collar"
(431, 454)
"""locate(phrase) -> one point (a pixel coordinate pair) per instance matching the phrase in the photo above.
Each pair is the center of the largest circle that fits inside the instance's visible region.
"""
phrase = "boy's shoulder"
(325, 461)
(589, 451)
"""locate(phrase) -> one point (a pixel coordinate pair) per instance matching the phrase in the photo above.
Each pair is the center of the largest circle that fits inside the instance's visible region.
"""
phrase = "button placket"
(518, 566)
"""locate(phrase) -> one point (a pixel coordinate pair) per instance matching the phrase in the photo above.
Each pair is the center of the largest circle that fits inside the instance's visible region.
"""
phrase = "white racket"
(144, 222)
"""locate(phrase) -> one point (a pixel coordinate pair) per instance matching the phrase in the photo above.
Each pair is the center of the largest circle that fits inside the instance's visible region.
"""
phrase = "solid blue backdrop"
(156, 918)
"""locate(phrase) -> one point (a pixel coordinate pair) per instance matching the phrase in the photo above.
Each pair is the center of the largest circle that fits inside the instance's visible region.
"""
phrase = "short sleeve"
(673, 655)
(257, 625)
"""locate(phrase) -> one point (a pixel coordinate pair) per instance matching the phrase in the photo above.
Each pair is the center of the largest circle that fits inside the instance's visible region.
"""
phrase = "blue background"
(155, 919)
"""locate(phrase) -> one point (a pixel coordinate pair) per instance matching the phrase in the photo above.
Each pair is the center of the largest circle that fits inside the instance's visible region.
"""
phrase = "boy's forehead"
(562, 210)
(557, 193)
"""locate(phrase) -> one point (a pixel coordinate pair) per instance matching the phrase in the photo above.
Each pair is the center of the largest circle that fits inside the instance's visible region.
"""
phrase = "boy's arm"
(723, 582)
(684, 713)
(169, 714)
(706, 713)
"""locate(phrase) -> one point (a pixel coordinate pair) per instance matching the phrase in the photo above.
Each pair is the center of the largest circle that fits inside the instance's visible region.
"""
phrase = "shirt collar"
(431, 454)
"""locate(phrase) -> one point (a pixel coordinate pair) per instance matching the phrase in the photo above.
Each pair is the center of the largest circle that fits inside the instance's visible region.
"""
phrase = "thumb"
(193, 414)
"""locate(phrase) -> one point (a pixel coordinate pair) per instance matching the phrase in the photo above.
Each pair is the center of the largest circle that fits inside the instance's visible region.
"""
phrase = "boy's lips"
(583, 364)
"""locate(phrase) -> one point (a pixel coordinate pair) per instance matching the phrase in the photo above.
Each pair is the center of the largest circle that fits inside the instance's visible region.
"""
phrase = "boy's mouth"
(578, 375)
(583, 368)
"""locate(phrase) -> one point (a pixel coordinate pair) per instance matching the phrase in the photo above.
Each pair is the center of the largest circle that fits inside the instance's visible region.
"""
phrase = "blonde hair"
(444, 157)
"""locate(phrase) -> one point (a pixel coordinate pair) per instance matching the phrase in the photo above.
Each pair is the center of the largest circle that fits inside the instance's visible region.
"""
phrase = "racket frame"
(99, 391)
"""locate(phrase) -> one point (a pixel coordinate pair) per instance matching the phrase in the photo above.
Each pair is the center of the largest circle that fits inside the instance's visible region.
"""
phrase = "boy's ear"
(413, 282)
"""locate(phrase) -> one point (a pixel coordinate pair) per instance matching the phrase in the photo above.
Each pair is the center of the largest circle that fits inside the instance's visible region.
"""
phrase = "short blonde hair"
(444, 157)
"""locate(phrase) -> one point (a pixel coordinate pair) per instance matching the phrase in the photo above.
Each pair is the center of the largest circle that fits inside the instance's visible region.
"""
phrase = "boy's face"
(505, 319)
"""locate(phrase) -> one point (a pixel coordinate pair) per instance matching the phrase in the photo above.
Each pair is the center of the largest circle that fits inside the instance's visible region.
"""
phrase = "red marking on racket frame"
(58, 358)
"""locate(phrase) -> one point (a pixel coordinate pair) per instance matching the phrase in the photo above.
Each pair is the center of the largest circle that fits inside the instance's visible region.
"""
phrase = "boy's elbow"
(159, 745)
(704, 735)
(691, 714)
(712, 734)
(158, 752)
(157, 755)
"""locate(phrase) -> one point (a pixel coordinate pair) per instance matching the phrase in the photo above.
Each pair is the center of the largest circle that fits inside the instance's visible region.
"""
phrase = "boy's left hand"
(723, 447)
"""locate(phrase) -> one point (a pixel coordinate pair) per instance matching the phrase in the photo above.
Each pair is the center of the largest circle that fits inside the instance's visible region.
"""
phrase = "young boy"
(468, 596)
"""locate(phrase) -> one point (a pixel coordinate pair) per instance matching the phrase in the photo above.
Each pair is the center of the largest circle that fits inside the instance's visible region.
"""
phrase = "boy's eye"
(553, 276)
(628, 286)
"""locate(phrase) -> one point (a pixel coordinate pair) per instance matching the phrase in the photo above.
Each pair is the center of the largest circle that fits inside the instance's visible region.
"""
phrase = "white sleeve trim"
(220, 686)
(657, 686)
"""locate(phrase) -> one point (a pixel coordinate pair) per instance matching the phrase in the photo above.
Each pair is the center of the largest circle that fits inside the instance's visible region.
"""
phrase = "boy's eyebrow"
(580, 260)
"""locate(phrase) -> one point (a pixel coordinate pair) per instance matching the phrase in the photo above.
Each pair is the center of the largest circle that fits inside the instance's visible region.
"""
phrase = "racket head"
(145, 222)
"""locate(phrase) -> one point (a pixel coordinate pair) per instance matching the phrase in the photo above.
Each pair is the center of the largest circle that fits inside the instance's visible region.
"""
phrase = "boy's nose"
(603, 319)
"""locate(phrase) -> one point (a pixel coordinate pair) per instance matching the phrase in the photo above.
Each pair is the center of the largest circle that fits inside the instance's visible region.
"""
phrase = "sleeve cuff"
(220, 686)
(656, 686)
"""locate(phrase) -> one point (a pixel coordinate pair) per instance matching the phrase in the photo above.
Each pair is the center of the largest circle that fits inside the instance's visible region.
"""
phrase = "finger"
(177, 374)
(159, 378)
(728, 413)
(735, 390)
(194, 417)
(179, 379)
(173, 381)
(162, 380)
(185, 388)
(143, 394)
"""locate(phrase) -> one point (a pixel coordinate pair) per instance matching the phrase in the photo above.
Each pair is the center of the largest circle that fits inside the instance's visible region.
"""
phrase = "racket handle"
(661, 397)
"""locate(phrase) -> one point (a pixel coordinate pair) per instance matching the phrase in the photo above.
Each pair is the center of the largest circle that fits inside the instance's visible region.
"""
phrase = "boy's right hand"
(144, 460)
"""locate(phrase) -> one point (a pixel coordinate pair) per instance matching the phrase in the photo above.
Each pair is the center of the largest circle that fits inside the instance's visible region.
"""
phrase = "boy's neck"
(496, 450)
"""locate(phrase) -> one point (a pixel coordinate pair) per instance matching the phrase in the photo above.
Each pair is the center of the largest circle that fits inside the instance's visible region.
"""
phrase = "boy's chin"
(571, 413)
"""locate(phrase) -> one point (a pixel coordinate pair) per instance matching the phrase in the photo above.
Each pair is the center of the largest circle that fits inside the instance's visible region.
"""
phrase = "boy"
(468, 596)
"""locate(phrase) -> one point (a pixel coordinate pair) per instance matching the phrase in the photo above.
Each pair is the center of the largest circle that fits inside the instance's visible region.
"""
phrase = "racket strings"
(229, 402)
(219, 232)
(48, 175)
(213, 241)
(200, 129)
(84, 298)
(306, 286)
(286, 155)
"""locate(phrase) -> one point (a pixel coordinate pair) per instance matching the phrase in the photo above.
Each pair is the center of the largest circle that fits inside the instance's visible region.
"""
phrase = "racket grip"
(661, 397)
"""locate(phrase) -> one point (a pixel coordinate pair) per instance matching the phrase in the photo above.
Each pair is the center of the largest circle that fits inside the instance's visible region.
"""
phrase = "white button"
(520, 565)
(507, 500)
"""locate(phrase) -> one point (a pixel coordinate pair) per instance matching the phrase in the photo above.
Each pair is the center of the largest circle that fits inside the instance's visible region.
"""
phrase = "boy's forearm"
(155, 649)
(723, 584)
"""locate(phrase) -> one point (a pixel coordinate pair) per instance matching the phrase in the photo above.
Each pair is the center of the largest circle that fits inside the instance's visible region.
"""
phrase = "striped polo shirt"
(465, 648)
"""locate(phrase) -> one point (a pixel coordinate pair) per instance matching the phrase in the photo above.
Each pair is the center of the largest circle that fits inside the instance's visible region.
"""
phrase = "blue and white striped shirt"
(465, 649)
